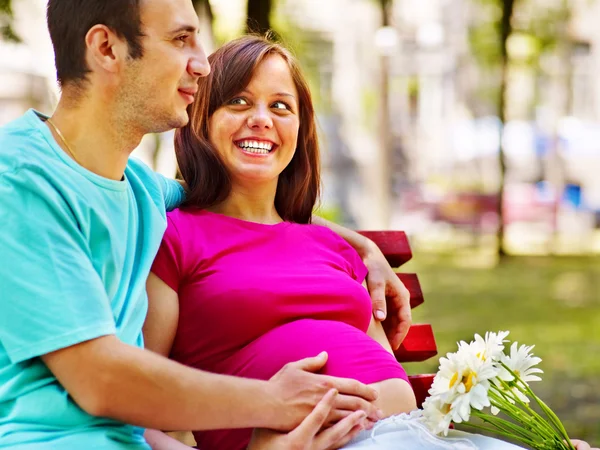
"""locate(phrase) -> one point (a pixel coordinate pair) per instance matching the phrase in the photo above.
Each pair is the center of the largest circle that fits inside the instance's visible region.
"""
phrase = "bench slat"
(421, 385)
(393, 244)
(411, 281)
(419, 344)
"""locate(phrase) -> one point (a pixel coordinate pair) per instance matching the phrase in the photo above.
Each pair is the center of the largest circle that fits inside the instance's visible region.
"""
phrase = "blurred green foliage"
(6, 18)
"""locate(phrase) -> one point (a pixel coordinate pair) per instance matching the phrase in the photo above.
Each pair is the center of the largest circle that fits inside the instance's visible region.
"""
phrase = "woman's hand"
(308, 435)
(582, 445)
(387, 292)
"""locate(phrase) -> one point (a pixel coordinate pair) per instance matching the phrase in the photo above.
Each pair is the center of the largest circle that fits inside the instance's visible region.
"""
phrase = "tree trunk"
(505, 32)
(385, 137)
(258, 18)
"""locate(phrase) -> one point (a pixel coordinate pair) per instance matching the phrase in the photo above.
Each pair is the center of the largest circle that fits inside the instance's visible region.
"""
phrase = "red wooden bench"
(419, 345)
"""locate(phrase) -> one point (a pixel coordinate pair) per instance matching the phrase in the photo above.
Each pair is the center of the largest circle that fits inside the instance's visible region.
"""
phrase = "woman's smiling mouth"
(255, 147)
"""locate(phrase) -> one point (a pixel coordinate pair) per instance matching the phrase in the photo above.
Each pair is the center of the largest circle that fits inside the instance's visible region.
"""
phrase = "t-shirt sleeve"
(168, 262)
(51, 295)
(356, 267)
(173, 192)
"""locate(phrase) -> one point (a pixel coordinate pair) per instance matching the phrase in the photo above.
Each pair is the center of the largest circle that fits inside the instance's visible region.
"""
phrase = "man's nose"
(198, 65)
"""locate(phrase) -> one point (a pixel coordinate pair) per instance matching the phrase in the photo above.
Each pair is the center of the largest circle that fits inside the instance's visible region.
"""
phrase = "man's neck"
(93, 135)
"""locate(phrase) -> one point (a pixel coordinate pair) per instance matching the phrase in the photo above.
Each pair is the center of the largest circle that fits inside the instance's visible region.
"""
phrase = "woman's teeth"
(262, 148)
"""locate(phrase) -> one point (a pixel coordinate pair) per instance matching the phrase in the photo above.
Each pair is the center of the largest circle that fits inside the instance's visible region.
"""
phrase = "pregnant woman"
(243, 283)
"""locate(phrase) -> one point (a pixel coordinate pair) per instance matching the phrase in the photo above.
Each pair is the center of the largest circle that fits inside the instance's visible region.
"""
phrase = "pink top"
(254, 297)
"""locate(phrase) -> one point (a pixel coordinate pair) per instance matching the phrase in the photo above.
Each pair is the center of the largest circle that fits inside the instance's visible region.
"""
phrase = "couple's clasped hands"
(324, 412)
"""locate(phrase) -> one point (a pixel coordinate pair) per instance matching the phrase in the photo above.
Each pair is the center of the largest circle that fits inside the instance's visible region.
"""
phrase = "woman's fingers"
(341, 433)
(582, 445)
(313, 423)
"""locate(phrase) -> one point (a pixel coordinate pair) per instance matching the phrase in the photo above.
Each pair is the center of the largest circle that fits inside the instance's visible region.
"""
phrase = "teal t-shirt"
(75, 252)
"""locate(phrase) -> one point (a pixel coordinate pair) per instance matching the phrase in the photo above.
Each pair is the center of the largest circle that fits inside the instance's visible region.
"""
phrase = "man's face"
(157, 88)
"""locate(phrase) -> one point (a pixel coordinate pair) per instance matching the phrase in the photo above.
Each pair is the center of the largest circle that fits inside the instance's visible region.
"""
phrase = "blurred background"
(473, 125)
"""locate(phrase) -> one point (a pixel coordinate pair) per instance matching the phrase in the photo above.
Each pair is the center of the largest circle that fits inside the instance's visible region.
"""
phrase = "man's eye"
(281, 105)
(182, 38)
(238, 101)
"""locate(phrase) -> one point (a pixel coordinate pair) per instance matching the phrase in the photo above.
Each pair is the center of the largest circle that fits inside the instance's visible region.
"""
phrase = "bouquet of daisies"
(481, 380)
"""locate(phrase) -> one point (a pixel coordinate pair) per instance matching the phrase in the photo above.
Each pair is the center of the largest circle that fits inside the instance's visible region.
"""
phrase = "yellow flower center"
(467, 379)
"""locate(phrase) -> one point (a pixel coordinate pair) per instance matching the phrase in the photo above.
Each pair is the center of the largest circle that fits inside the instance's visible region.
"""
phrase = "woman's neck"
(251, 202)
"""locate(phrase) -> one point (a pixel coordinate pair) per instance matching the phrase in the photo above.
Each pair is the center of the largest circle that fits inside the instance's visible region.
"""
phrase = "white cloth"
(407, 432)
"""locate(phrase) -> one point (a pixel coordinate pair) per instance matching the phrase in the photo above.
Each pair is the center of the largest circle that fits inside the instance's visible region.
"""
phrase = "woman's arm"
(162, 318)
(159, 332)
(386, 290)
(158, 440)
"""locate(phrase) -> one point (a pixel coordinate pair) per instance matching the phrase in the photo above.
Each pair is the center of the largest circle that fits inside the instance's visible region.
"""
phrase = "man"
(81, 224)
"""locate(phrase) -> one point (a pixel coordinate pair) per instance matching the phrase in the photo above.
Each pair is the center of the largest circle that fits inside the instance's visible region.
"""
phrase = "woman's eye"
(281, 105)
(238, 101)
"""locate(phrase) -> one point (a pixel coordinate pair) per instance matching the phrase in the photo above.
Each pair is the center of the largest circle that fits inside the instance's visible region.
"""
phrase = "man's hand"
(383, 284)
(298, 392)
(308, 435)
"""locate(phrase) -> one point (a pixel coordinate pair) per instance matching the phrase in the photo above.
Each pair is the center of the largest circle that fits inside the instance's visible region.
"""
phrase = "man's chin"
(181, 121)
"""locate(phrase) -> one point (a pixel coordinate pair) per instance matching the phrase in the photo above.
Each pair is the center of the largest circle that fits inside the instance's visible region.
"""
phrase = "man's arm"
(108, 378)
(382, 282)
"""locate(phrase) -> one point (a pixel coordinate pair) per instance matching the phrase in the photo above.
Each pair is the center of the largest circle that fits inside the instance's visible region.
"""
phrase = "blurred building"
(27, 68)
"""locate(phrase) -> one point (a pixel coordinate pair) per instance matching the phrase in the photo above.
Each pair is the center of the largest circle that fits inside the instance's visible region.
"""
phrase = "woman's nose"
(260, 118)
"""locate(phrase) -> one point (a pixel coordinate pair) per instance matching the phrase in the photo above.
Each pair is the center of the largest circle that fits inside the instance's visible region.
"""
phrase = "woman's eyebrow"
(285, 94)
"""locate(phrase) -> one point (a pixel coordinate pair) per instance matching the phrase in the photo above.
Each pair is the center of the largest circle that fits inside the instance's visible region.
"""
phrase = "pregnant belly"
(352, 354)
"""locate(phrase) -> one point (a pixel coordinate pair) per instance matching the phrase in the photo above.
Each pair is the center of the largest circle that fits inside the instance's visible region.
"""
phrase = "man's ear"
(105, 50)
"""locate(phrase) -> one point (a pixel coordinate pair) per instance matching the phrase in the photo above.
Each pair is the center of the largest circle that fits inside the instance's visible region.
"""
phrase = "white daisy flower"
(521, 362)
(463, 381)
(492, 347)
(437, 415)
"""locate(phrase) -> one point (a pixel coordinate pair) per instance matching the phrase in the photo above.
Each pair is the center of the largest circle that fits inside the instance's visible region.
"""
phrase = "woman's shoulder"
(323, 234)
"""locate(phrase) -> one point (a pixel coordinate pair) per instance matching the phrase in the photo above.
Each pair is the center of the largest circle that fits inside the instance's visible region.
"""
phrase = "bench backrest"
(419, 344)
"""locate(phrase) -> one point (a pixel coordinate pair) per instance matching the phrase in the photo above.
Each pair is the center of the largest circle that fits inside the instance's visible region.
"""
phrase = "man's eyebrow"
(188, 28)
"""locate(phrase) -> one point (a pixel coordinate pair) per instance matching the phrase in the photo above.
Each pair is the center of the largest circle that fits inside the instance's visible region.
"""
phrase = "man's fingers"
(376, 287)
(351, 403)
(347, 386)
(341, 433)
(313, 364)
(313, 423)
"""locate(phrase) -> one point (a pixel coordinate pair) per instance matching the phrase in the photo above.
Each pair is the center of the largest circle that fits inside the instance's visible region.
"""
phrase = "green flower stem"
(507, 426)
(539, 419)
(520, 415)
(534, 442)
(495, 430)
(525, 389)
(532, 420)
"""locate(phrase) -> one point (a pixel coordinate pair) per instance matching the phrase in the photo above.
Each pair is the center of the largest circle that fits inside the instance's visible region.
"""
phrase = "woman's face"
(255, 133)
